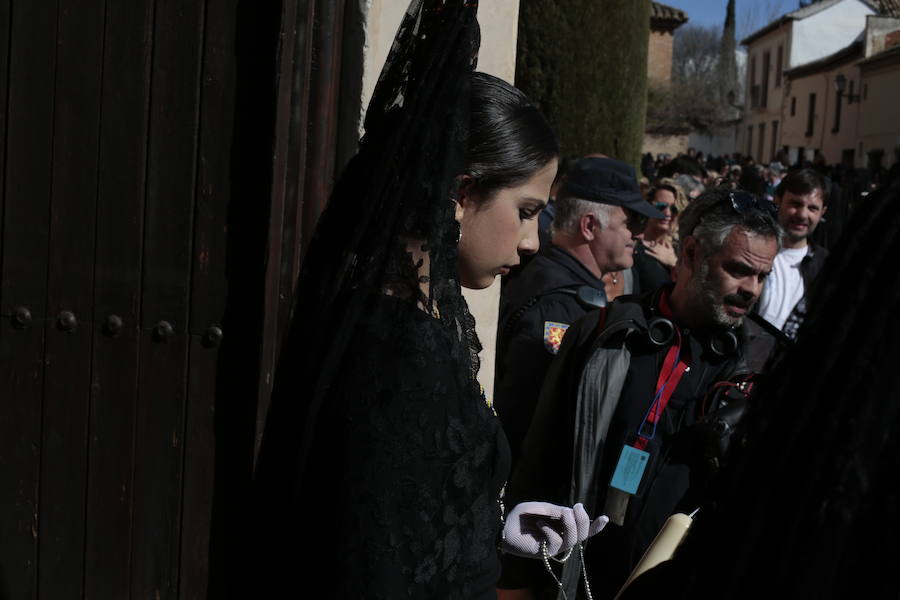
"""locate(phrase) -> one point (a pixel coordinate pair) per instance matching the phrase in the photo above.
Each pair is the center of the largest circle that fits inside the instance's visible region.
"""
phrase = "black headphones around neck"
(721, 342)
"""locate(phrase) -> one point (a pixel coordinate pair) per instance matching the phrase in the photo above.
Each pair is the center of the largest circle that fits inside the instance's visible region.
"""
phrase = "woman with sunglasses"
(655, 252)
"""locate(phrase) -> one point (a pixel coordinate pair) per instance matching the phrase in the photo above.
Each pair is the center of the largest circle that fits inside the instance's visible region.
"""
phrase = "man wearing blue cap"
(599, 211)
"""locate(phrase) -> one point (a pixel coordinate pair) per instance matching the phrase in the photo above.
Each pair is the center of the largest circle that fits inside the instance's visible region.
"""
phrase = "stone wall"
(668, 144)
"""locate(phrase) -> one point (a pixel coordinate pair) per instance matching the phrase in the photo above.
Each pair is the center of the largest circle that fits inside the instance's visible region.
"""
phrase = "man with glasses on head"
(598, 212)
(635, 414)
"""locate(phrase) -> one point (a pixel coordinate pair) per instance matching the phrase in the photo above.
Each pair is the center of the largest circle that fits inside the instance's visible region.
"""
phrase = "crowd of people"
(650, 343)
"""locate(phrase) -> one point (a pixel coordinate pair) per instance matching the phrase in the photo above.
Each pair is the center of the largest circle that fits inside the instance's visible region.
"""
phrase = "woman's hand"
(663, 251)
(531, 524)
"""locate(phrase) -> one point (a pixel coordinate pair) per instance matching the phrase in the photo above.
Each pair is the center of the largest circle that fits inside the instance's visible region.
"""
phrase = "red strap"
(668, 380)
(674, 367)
(664, 308)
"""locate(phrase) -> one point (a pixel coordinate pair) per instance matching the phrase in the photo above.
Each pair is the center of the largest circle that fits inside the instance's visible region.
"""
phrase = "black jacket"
(809, 270)
(594, 398)
(535, 309)
(760, 345)
(649, 272)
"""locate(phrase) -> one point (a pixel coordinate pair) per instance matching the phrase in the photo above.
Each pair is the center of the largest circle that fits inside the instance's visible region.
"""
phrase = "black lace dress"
(381, 466)
(415, 464)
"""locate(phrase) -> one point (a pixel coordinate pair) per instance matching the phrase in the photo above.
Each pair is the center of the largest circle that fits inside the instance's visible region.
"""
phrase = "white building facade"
(805, 35)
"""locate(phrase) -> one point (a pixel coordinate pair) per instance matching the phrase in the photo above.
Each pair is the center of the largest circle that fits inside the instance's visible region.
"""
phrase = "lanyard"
(672, 370)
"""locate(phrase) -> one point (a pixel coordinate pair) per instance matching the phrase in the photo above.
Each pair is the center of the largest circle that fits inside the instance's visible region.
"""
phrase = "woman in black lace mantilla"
(381, 465)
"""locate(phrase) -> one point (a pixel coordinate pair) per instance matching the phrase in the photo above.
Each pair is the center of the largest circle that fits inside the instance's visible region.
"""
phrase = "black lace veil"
(388, 228)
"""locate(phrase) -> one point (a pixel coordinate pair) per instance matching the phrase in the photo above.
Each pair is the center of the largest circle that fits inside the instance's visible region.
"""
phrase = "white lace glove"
(530, 524)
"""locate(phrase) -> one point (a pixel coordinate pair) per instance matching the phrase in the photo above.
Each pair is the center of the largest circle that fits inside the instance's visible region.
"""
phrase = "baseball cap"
(607, 181)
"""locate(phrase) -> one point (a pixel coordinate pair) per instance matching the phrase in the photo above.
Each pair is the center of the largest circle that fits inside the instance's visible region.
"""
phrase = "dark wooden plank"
(158, 468)
(209, 291)
(109, 501)
(64, 461)
(178, 37)
(21, 378)
(117, 278)
(215, 181)
(235, 145)
(324, 87)
(159, 449)
(294, 128)
(296, 165)
(4, 89)
(26, 199)
(275, 257)
(29, 150)
(200, 476)
(67, 376)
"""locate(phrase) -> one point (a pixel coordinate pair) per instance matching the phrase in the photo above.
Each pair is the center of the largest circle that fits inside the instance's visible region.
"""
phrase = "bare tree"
(704, 71)
(693, 101)
(695, 53)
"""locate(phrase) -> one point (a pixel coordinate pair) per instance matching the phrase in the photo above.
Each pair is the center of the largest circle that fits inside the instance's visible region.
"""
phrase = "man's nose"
(751, 286)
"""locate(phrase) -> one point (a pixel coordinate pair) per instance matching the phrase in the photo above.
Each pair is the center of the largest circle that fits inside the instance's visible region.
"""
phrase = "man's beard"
(711, 304)
(803, 236)
(794, 239)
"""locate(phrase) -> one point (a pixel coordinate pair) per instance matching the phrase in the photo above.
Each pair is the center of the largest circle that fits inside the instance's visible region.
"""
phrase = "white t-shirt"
(784, 286)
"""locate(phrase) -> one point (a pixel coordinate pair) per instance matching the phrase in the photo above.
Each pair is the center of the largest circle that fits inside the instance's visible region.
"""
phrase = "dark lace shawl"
(379, 459)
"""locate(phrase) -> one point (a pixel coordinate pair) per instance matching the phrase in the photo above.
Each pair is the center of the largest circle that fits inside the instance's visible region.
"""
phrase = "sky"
(751, 14)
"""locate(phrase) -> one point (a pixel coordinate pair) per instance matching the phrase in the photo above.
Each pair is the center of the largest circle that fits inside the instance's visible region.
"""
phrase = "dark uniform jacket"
(594, 398)
(536, 308)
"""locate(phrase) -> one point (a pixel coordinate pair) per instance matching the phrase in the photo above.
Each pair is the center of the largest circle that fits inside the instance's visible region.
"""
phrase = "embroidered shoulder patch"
(553, 335)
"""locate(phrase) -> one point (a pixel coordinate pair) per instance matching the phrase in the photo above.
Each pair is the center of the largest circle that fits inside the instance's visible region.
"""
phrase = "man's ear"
(690, 250)
(463, 199)
(586, 225)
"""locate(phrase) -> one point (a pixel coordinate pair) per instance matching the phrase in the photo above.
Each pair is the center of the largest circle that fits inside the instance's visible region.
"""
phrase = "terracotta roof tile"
(664, 12)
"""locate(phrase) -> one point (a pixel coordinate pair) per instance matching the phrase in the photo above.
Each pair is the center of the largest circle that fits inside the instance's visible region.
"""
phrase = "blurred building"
(878, 127)
(805, 83)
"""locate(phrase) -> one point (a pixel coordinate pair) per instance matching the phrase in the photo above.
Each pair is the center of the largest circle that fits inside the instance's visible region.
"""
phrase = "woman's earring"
(458, 233)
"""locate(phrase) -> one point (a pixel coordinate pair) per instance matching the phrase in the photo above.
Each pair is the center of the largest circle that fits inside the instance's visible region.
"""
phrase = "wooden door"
(137, 243)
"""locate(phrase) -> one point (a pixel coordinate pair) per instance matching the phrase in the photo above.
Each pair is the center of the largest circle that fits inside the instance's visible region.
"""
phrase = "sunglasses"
(744, 202)
(662, 206)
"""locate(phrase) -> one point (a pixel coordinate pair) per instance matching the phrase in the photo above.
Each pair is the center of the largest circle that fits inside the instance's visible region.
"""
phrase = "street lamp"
(840, 84)
(731, 97)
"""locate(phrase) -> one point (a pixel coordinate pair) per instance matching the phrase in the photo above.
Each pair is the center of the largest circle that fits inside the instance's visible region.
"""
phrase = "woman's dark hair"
(509, 139)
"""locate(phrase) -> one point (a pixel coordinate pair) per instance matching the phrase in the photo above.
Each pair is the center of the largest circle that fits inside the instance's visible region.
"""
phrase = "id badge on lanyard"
(634, 457)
